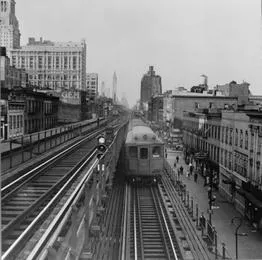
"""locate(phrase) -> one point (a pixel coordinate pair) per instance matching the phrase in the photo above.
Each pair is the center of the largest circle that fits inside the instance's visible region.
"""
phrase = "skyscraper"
(102, 90)
(114, 87)
(150, 85)
(9, 27)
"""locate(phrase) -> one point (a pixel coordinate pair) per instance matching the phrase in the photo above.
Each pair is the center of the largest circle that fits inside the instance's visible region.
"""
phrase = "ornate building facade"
(9, 27)
(52, 65)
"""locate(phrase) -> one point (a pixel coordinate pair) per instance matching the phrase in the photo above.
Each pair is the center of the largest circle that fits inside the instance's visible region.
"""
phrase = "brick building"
(231, 142)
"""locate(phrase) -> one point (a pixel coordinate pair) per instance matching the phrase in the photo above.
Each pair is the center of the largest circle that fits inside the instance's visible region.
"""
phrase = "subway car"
(144, 155)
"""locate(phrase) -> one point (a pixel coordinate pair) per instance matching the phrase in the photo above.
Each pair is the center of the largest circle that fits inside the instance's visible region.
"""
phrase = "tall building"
(9, 27)
(150, 85)
(53, 65)
(102, 90)
(114, 88)
(92, 85)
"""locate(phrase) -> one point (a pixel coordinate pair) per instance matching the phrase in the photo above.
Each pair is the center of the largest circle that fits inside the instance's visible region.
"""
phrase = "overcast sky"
(182, 39)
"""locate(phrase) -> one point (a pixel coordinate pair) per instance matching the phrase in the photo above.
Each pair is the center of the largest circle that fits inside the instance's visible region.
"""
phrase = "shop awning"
(251, 198)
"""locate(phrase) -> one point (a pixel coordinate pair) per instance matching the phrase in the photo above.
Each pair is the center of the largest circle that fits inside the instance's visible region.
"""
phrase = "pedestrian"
(187, 174)
(174, 164)
(191, 168)
(195, 176)
(178, 174)
(177, 158)
(181, 170)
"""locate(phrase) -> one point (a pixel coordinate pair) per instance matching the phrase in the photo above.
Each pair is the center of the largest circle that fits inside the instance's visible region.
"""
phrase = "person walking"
(190, 169)
(187, 174)
(177, 158)
(174, 164)
(181, 170)
(195, 177)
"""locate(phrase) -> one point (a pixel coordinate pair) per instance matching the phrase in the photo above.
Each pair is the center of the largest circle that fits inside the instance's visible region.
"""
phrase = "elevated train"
(144, 154)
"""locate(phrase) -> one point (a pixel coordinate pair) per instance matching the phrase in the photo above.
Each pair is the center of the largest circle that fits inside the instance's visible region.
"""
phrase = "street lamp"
(238, 221)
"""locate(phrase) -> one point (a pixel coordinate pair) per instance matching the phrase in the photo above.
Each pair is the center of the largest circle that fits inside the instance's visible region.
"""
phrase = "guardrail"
(208, 232)
(80, 209)
(40, 142)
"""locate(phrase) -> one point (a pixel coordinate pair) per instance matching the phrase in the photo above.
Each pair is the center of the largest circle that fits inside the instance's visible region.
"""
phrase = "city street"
(248, 246)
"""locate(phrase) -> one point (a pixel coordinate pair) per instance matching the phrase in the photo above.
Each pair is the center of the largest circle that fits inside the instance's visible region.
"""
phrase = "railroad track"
(26, 203)
(151, 234)
(182, 219)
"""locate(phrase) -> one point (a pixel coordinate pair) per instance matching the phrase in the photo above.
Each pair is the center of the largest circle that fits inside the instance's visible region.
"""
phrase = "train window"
(143, 153)
(133, 152)
(156, 151)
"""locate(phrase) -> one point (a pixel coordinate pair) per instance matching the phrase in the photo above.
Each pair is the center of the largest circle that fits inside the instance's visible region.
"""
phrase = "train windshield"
(156, 151)
(143, 153)
(133, 152)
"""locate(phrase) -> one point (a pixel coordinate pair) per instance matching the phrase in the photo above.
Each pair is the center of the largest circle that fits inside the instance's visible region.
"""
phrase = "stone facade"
(52, 65)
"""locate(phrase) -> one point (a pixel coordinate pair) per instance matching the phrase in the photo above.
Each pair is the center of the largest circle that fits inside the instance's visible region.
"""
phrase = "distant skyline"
(182, 39)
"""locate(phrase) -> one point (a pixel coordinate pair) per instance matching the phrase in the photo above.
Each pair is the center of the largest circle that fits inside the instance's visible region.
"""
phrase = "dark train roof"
(142, 135)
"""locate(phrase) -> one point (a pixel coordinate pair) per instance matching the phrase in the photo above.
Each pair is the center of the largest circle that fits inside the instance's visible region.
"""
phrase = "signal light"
(101, 147)
(101, 139)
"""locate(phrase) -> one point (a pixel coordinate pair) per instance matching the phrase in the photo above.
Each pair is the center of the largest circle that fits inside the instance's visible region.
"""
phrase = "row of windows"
(16, 122)
(143, 152)
(3, 6)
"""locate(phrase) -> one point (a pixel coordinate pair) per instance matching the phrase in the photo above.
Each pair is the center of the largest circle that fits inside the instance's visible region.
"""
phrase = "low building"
(26, 111)
(9, 75)
(229, 145)
(91, 86)
(191, 102)
(233, 89)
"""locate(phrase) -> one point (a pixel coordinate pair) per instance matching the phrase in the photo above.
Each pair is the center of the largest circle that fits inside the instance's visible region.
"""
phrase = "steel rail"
(140, 225)
(134, 227)
(39, 217)
(10, 185)
(166, 227)
(51, 234)
(123, 251)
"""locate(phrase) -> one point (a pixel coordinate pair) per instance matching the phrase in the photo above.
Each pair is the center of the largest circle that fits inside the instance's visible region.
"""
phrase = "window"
(241, 139)
(236, 138)
(10, 122)
(133, 152)
(231, 136)
(226, 140)
(246, 140)
(196, 105)
(143, 153)
(156, 151)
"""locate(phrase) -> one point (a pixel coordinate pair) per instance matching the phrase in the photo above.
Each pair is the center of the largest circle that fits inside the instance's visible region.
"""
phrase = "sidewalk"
(249, 247)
